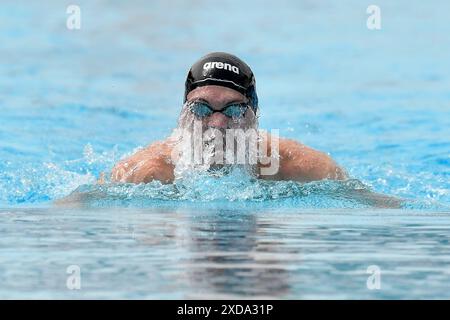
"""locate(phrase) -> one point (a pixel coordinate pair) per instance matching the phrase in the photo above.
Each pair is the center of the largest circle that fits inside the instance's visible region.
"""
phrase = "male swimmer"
(220, 94)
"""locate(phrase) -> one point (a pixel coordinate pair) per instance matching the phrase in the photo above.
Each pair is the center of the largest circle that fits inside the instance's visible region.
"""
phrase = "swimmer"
(220, 94)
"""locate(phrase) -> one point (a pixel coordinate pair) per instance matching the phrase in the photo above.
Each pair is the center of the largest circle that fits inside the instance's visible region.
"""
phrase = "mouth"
(215, 132)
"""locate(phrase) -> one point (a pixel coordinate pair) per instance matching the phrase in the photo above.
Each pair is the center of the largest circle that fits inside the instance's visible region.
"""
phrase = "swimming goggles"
(202, 109)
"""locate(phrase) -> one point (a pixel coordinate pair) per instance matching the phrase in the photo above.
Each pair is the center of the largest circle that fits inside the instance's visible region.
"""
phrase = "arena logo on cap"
(220, 65)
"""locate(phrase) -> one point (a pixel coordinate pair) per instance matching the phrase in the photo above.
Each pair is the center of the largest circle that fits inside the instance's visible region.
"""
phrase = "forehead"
(215, 93)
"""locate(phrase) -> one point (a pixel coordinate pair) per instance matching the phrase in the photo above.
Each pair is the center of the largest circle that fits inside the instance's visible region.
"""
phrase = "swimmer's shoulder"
(300, 162)
(275, 143)
(145, 163)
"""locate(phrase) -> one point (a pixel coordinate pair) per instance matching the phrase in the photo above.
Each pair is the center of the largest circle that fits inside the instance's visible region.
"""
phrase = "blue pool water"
(75, 102)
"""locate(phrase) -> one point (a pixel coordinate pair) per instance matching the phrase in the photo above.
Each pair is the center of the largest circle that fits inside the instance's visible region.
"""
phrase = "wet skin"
(296, 161)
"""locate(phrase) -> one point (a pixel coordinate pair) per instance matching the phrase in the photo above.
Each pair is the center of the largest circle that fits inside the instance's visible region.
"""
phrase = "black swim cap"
(226, 70)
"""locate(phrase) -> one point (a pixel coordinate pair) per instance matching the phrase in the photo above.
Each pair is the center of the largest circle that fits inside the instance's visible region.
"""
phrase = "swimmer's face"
(217, 98)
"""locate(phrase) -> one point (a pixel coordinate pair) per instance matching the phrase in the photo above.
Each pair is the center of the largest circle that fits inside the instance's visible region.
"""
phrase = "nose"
(217, 120)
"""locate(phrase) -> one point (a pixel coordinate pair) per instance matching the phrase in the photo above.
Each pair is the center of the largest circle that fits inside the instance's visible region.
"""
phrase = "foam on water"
(73, 103)
(228, 187)
(376, 101)
(44, 183)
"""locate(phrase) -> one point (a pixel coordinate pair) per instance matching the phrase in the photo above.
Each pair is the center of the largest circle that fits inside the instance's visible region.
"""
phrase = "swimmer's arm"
(302, 163)
(151, 163)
